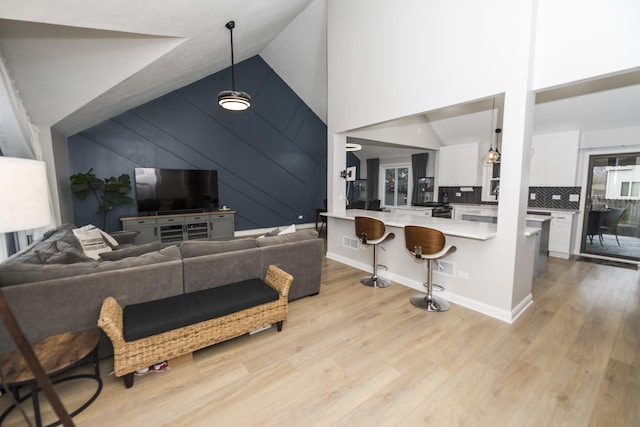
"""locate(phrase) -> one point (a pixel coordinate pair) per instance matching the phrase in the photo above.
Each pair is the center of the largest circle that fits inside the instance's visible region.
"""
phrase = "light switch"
(555, 197)
(574, 197)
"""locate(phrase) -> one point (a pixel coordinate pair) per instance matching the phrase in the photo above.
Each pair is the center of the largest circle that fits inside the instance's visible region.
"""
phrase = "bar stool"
(371, 231)
(427, 244)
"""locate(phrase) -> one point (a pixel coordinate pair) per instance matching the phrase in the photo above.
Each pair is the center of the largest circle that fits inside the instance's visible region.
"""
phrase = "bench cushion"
(158, 316)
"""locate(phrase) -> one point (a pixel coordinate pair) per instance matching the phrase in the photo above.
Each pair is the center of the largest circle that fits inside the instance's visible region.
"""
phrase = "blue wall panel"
(271, 160)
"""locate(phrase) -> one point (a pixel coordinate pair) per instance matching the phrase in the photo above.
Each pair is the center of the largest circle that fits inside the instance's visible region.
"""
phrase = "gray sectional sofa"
(52, 287)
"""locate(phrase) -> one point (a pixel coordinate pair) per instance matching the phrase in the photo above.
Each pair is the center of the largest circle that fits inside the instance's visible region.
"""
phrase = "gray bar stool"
(427, 244)
(371, 231)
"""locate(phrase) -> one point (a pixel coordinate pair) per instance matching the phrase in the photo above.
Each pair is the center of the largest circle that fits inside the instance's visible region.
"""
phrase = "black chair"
(321, 218)
(593, 225)
(610, 221)
(358, 204)
(374, 205)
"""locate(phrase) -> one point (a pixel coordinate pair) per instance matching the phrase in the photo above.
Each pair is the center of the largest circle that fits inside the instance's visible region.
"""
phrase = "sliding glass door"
(611, 226)
(396, 186)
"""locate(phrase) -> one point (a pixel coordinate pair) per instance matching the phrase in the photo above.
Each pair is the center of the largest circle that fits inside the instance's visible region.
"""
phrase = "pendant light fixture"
(232, 99)
(498, 154)
(492, 156)
(352, 146)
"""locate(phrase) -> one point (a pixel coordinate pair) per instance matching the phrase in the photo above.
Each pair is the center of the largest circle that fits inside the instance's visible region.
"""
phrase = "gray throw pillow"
(130, 251)
(273, 232)
(68, 256)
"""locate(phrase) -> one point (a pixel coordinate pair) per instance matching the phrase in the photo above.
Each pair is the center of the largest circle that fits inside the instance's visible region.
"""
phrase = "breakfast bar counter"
(463, 274)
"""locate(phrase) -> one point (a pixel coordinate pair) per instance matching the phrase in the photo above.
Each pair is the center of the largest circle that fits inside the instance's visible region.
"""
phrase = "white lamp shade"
(24, 194)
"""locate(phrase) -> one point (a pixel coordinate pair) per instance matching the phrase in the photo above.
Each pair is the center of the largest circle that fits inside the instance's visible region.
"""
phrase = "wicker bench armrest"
(279, 280)
(110, 321)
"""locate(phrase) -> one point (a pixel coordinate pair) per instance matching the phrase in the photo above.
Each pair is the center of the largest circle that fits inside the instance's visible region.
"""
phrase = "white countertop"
(451, 227)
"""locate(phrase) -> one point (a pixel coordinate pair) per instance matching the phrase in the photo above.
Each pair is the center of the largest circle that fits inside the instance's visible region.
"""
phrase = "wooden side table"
(56, 354)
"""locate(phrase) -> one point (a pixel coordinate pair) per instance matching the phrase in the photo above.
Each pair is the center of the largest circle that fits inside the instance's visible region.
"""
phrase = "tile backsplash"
(545, 197)
(554, 197)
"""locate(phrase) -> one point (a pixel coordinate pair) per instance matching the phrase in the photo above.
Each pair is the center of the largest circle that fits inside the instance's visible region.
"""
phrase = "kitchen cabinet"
(560, 234)
(459, 165)
(473, 212)
(554, 160)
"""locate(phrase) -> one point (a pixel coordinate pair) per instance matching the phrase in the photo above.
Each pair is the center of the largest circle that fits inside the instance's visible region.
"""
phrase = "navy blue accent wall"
(271, 159)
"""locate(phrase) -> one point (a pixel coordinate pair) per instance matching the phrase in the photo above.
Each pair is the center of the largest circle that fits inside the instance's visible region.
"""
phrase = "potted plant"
(108, 192)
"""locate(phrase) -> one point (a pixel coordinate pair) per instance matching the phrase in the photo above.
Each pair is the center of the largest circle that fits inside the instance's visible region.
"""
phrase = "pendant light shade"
(233, 100)
(492, 156)
(352, 146)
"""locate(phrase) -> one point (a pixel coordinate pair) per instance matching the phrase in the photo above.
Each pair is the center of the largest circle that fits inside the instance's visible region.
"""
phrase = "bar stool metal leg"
(430, 302)
(375, 281)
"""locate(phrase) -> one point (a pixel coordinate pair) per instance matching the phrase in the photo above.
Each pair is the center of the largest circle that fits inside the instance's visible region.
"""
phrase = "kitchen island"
(463, 274)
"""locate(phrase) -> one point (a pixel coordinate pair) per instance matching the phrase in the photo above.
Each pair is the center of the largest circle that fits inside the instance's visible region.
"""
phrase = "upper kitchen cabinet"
(460, 165)
(554, 160)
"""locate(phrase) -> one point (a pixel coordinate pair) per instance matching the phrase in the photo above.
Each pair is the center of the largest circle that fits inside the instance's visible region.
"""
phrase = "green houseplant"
(108, 192)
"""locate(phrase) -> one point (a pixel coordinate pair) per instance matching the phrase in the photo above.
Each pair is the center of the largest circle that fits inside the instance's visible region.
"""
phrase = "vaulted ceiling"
(79, 62)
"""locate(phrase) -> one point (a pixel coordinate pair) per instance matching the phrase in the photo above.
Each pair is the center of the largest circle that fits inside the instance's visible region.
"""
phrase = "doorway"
(611, 226)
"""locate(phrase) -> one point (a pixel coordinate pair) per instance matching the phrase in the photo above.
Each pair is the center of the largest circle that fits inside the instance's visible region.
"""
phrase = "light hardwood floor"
(356, 356)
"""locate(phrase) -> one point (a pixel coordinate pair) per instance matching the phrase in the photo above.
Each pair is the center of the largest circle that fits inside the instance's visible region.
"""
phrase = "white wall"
(405, 57)
(300, 59)
(580, 39)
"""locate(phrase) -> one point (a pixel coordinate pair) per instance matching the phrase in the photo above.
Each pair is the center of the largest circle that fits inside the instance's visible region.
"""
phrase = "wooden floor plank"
(357, 356)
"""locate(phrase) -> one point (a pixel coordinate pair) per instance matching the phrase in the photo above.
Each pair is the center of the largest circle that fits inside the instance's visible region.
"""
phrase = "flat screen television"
(175, 190)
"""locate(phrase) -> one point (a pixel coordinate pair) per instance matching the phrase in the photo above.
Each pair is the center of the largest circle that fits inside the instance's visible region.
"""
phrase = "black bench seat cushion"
(154, 317)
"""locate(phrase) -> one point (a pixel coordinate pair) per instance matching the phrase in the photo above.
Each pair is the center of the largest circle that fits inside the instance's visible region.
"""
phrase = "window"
(396, 185)
(630, 189)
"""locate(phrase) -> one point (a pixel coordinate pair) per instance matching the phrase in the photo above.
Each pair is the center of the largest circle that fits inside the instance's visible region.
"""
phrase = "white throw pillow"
(93, 240)
(290, 229)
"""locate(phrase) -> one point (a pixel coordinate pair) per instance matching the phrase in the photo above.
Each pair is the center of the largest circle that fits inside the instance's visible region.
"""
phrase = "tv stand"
(174, 228)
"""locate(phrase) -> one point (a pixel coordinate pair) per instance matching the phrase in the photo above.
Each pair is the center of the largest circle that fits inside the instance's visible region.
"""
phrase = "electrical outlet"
(300, 216)
(555, 197)
(458, 194)
(574, 197)
(532, 196)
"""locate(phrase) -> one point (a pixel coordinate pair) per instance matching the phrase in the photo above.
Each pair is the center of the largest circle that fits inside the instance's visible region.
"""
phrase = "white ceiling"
(79, 62)
(609, 102)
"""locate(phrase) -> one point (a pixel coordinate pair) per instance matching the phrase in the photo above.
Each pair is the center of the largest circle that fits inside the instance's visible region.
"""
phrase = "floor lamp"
(24, 192)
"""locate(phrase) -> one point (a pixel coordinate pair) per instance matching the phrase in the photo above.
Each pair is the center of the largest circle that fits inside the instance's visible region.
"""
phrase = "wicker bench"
(156, 342)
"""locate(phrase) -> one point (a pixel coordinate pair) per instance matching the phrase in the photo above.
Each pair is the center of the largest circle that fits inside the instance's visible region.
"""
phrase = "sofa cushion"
(304, 234)
(192, 249)
(26, 273)
(131, 251)
(69, 255)
(154, 317)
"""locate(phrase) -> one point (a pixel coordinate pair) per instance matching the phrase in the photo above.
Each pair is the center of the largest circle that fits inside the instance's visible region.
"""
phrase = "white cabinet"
(554, 160)
(459, 165)
(560, 235)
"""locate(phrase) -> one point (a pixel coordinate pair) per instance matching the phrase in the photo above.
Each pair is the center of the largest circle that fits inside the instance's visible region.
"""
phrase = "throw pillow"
(92, 240)
(290, 229)
(68, 256)
(273, 232)
(131, 251)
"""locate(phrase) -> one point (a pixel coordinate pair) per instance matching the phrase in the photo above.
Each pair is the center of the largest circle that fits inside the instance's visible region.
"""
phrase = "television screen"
(170, 190)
